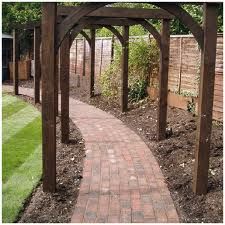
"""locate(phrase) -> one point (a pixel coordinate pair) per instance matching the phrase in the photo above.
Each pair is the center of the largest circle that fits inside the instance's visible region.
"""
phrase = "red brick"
(120, 168)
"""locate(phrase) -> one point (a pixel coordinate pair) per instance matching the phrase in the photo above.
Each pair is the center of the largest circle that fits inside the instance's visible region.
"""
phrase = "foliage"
(143, 60)
(138, 90)
(176, 27)
(110, 81)
(22, 12)
(191, 106)
(19, 13)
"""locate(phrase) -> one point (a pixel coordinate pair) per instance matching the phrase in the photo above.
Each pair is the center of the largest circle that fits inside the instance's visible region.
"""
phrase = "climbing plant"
(143, 61)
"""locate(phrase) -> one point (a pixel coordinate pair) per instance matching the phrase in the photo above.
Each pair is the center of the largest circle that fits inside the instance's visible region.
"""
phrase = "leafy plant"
(143, 60)
(191, 106)
(138, 90)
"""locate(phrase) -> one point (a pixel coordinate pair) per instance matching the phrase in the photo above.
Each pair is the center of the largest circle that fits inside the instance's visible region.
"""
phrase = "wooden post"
(15, 62)
(84, 56)
(48, 36)
(64, 54)
(206, 93)
(124, 67)
(92, 74)
(37, 64)
(163, 80)
(180, 65)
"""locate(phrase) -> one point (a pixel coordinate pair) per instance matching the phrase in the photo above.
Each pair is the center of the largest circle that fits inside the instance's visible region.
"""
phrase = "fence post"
(92, 74)
(180, 66)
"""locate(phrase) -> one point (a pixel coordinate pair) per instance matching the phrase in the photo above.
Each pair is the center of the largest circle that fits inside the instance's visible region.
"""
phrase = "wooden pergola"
(55, 33)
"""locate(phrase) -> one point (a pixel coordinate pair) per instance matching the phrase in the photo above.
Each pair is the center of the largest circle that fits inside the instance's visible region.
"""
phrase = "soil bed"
(175, 155)
(58, 207)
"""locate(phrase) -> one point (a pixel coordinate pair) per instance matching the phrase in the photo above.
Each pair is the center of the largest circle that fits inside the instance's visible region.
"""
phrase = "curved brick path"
(122, 181)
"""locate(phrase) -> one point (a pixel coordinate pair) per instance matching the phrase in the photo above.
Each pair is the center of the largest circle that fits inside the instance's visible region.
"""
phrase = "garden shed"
(7, 41)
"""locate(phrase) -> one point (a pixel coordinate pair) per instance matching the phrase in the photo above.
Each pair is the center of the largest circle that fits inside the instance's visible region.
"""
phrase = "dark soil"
(58, 207)
(175, 155)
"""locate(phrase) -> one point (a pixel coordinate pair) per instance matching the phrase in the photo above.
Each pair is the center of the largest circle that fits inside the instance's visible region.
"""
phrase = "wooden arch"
(67, 24)
(185, 18)
(85, 35)
(116, 33)
(205, 36)
(174, 9)
(152, 30)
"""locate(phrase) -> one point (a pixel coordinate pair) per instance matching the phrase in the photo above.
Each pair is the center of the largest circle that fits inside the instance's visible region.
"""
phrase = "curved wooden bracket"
(152, 30)
(116, 33)
(78, 29)
(186, 19)
(85, 35)
(73, 35)
(67, 24)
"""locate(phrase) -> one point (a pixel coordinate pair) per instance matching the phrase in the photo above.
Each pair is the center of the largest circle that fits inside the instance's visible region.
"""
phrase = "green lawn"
(21, 154)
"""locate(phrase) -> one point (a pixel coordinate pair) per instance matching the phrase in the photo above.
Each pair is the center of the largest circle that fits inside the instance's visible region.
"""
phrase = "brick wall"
(184, 66)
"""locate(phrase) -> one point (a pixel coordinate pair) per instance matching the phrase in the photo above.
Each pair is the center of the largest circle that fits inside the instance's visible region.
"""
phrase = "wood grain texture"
(67, 24)
(163, 80)
(116, 33)
(124, 67)
(118, 12)
(48, 37)
(206, 93)
(64, 84)
(185, 18)
(92, 74)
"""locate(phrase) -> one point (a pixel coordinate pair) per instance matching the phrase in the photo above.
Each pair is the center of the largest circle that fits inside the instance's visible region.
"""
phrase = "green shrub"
(138, 90)
(143, 61)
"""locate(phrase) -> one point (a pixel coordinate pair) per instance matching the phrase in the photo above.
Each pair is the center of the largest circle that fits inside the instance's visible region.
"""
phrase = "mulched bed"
(58, 207)
(175, 155)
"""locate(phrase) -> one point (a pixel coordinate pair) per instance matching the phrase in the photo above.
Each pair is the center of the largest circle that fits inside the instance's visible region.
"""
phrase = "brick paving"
(122, 181)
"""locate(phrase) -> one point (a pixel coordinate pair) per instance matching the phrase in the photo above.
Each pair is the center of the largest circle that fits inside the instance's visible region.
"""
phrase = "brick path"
(122, 181)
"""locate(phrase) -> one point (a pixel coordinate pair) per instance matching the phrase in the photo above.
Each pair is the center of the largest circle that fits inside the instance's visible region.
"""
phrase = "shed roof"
(7, 36)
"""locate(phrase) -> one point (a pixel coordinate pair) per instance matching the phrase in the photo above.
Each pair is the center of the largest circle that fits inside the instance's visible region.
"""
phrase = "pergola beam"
(117, 12)
(95, 21)
(186, 19)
